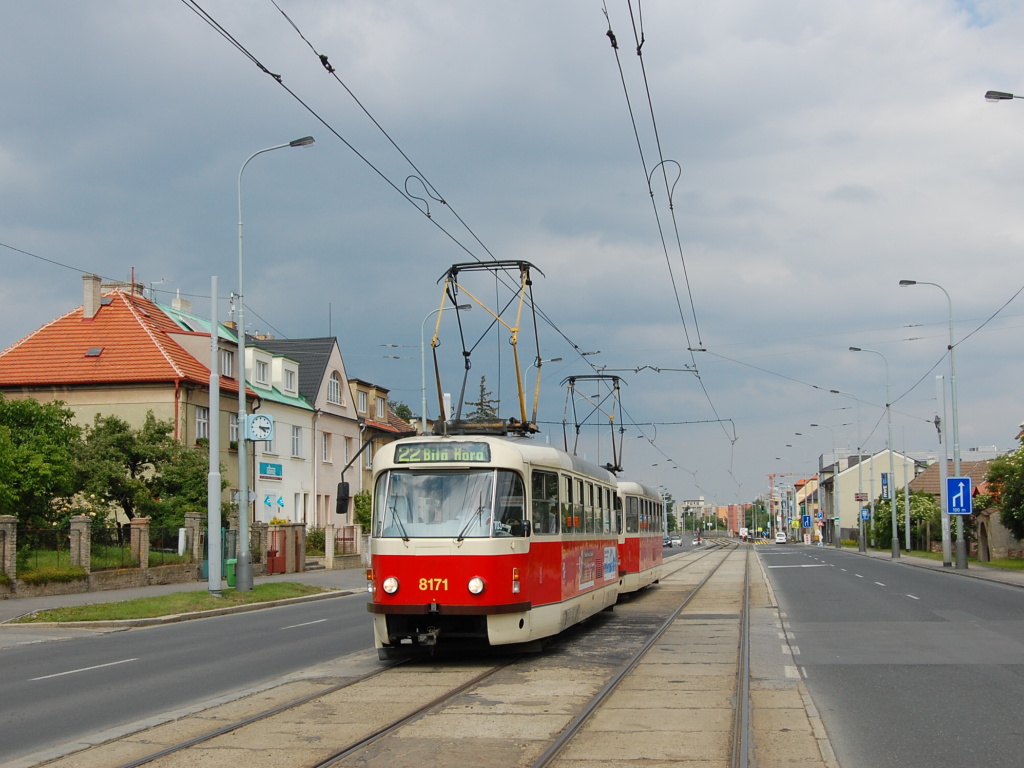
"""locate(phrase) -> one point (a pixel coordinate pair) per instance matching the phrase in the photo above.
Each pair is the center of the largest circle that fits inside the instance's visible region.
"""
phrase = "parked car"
(666, 542)
(676, 541)
(780, 537)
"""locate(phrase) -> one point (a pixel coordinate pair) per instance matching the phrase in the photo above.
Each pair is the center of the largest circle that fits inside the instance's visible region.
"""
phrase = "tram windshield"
(477, 503)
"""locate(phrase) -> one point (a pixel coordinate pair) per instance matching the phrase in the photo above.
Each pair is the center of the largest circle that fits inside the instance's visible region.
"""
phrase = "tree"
(401, 410)
(181, 486)
(485, 407)
(924, 510)
(37, 445)
(143, 470)
(362, 507)
(1006, 476)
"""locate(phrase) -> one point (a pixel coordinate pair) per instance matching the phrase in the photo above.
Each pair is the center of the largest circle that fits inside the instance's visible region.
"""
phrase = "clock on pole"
(259, 426)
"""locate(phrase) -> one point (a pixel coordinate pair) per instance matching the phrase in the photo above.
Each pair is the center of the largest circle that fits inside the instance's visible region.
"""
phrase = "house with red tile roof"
(119, 354)
(994, 540)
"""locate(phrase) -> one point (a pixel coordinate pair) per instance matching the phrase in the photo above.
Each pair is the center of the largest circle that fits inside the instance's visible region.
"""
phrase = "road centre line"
(83, 669)
(879, 583)
(913, 597)
(797, 566)
(305, 624)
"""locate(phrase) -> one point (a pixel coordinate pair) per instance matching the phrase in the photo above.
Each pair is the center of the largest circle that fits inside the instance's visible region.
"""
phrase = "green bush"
(5, 580)
(316, 542)
(54, 575)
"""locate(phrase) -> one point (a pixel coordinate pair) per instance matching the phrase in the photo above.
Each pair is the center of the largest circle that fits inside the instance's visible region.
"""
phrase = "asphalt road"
(55, 692)
(907, 666)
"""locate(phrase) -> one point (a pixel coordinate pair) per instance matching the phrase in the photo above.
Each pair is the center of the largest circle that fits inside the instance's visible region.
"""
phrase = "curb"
(157, 620)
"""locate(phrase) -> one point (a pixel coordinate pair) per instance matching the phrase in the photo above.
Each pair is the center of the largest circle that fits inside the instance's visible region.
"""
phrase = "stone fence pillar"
(81, 542)
(140, 541)
(329, 546)
(9, 546)
(260, 533)
(194, 526)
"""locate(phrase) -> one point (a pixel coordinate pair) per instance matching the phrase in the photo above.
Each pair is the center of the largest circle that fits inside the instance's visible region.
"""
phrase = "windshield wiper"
(469, 522)
(394, 514)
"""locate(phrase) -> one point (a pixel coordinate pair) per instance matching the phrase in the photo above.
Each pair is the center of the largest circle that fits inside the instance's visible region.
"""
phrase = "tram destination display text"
(432, 453)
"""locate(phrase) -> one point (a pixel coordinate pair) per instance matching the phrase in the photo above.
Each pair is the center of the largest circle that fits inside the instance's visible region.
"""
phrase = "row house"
(123, 354)
(118, 354)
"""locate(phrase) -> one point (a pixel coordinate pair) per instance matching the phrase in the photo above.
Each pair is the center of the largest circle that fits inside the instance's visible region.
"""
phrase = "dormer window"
(262, 372)
(94, 352)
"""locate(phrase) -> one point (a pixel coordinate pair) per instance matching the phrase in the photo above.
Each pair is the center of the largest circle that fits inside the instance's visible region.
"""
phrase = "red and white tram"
(493, 540)
(641, 533)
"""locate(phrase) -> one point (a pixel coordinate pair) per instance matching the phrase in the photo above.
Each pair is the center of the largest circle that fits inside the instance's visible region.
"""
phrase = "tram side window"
(511, 514)
(618, 515)
(545, 502)
(588, 500)
(632, 514)
(606, 510)
(578, 508)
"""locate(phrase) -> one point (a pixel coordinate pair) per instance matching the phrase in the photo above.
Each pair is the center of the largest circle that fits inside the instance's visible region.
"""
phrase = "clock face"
(260, 427)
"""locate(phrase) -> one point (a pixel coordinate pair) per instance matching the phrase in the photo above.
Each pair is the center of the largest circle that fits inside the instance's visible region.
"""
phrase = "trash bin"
(229, 570)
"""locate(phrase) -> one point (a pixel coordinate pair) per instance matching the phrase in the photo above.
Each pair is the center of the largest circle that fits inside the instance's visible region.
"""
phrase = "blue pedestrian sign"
(958, 496)
(865, 514)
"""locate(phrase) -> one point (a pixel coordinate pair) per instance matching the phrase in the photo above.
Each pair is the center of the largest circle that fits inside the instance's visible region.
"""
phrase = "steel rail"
(570, 731)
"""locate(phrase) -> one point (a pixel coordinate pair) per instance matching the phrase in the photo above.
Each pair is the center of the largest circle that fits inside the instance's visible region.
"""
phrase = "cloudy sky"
(814, 155)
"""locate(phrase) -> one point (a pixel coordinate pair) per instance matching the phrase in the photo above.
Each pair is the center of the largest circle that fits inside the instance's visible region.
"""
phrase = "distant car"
(676, 542)
(666, 542)
(780, 537)
(696, 542)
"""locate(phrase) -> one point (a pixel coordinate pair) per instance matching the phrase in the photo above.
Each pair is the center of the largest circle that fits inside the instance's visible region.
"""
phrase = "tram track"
(547, 709)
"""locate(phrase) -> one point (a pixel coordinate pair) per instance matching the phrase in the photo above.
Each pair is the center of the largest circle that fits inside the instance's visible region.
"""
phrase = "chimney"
(91, 300)
(182, 305)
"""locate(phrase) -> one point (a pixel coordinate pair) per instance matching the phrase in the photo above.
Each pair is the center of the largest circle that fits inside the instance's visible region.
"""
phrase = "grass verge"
(170, 605)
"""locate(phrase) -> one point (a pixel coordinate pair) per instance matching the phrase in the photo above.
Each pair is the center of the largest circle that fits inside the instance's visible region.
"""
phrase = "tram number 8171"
(434, 585)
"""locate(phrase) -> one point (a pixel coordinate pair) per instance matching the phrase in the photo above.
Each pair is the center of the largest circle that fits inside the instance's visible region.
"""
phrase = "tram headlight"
(476, 585)
(390, 585)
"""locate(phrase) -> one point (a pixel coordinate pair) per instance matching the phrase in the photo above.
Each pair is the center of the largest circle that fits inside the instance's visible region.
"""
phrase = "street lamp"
(243, 568)
(836, 522)
(892, 472)
(961, 543)
(861, 544)
(996, 96)
(423, 365)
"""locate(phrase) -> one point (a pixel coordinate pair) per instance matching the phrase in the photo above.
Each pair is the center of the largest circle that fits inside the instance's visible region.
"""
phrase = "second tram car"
(494, 540)
(641, 532)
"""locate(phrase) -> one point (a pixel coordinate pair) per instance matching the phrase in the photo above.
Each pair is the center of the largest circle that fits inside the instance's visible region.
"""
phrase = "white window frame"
(334, 389)
(262, 372)
(296, 441)
(289, 380)
(325, 447)
(382, 408)
(368, 453)
(362, 402)
(233, 427)
(226, 361)
(202, 422)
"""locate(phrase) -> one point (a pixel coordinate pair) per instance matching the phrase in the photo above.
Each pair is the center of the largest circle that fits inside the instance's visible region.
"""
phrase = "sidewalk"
(346, 579)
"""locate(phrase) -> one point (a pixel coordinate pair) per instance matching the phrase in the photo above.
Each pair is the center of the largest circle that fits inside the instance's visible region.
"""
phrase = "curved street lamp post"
(961, 542)
(243, 568)
(892, 472)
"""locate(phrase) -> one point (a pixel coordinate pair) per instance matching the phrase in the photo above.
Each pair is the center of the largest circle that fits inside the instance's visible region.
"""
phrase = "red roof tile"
(127, 342)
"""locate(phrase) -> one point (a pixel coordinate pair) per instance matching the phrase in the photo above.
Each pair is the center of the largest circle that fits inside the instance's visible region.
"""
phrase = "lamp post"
(861, 544)
(961, 543)
(423, 366)
(892, 472)
(835, 485)
(243, 568)
(997, 96)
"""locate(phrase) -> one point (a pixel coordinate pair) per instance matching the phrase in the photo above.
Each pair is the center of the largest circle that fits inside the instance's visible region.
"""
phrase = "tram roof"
(530, 451)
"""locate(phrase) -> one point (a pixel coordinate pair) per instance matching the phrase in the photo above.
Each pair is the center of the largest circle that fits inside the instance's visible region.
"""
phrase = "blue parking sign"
(958, 496)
